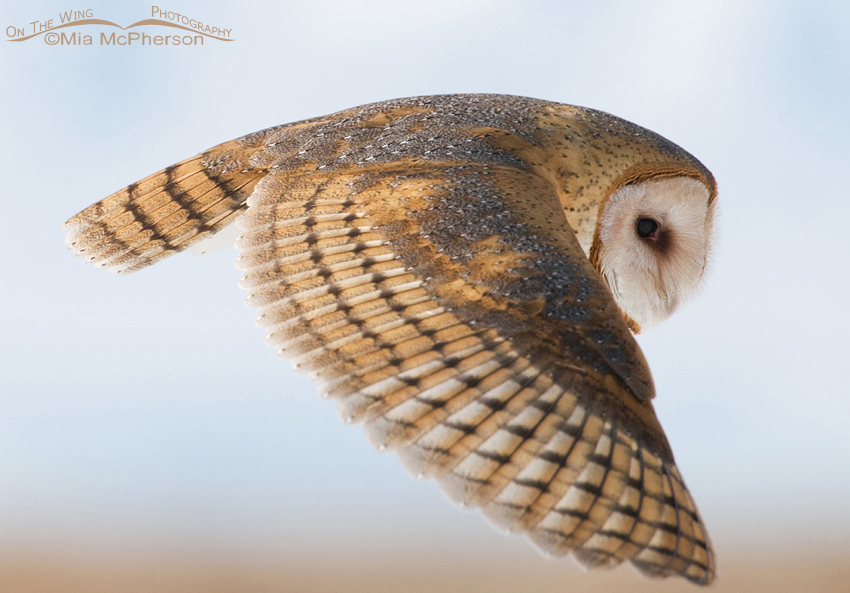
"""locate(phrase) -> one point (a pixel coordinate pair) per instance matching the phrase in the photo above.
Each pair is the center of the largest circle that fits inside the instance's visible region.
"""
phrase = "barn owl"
(463, 274)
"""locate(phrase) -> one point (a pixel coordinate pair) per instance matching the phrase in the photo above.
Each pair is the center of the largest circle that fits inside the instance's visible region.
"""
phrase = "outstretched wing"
(168, 211)
(472, 335)
(445, 302)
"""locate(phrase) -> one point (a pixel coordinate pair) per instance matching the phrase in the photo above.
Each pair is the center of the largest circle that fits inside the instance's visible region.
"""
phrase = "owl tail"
(168, 211)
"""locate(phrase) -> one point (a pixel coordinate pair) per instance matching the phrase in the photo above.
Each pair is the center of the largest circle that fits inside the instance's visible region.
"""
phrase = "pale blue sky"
(148, 405)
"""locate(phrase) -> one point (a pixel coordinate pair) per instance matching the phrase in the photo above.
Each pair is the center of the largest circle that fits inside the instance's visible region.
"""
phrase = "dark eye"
(646, 227)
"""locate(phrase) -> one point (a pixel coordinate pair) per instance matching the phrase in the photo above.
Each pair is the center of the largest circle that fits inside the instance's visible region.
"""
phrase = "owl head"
(652, 244)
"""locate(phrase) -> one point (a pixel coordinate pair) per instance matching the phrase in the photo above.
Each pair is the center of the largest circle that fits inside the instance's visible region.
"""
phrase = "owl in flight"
(463, 274)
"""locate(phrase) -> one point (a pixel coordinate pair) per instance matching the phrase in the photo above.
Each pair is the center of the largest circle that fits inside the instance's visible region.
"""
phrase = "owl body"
(461, 273)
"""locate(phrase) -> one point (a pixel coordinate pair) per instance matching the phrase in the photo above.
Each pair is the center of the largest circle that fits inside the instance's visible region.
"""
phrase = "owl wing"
(449, 308)
(168, 211)
(452, 311)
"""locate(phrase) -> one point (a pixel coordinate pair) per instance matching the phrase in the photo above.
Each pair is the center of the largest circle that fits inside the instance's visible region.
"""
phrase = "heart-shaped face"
(654, 240)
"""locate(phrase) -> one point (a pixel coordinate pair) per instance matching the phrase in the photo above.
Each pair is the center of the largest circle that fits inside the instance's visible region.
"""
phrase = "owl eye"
(646, 228)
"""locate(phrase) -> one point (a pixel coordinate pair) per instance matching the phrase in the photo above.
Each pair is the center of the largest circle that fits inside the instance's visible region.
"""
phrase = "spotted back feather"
(426, 261)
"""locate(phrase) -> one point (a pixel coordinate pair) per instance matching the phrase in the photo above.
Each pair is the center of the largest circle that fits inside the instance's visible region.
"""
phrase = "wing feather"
(168, 211)
(431, 342)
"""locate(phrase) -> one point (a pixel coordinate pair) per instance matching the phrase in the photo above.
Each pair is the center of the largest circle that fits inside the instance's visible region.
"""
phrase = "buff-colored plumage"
(439, 265)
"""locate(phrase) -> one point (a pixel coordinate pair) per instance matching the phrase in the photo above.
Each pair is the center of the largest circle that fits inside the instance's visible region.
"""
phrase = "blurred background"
(150, 441)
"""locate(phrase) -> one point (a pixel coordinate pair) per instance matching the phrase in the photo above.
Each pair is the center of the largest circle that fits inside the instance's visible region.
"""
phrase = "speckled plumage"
(431, 261)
